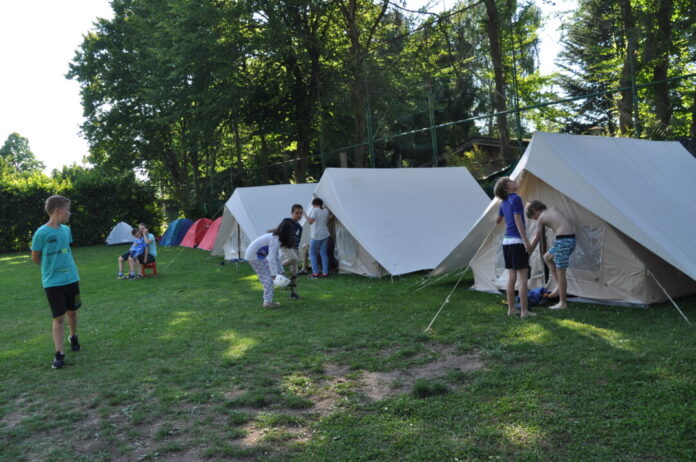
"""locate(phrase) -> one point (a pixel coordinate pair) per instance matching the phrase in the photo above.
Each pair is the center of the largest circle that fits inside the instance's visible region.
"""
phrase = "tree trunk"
(663, 41)
(264, 159)
(625, 104)
(499, 99)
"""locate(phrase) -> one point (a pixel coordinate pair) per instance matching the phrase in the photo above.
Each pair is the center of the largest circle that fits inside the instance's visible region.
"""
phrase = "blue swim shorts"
(561, 250)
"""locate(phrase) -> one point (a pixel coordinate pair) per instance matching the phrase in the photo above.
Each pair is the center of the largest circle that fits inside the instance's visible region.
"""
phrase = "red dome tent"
(196, 232)
(208, 241)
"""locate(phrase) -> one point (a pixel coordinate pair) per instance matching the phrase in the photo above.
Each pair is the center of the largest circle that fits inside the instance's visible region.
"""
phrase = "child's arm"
(521, 229)
(309, 219)
(537, 237)
(36, 257)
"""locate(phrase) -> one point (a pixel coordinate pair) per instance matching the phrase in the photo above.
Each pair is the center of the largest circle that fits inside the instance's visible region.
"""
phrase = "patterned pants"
(263, 271)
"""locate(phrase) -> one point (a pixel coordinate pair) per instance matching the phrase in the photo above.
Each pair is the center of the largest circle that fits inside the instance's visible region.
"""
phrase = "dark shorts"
(516, 256)
(126, 256)
(63, 298)
(150, 258)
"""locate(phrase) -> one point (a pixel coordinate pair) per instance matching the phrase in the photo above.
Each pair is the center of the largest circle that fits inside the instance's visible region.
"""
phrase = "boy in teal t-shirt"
(50, 248)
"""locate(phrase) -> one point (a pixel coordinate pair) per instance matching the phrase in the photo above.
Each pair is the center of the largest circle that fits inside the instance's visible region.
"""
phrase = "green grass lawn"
(188, 366)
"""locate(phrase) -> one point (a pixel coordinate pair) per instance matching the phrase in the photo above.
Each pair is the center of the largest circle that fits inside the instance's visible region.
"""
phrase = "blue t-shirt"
(57, 264)
(138, 247)
(509, 208)
(152, 246)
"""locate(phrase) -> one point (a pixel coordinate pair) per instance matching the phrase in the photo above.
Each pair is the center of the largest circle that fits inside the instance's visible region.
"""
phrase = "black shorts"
(125, 256)
(63, 298)
(516, 256)
(150, 258)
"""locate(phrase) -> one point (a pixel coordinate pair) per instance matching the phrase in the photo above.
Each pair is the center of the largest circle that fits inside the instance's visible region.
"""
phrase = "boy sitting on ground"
(137, 249)
(557, 257)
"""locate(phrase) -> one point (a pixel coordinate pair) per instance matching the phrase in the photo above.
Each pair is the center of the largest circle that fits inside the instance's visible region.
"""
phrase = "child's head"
(316, 202)
(136, 233)
(285, 232)
(58, 207)
(534, 209)
(503, 187)
(296, 212)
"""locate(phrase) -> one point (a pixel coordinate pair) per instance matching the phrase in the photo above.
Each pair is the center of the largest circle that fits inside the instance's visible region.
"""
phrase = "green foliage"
(16, 154)
(98, 202)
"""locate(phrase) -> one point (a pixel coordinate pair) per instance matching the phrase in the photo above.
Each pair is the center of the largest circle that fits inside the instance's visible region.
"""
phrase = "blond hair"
(56, 202)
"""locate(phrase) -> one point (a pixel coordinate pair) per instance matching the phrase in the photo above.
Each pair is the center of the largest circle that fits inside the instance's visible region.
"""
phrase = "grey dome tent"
(120, 234)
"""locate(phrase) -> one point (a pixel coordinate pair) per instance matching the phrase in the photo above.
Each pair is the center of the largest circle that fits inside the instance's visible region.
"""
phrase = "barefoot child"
(50, 248)
(515, 243)
(557, 257)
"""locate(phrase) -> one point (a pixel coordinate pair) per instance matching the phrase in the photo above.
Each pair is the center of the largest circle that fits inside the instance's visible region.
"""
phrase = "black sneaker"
(58, 360)
(294, 296)
(74, 344)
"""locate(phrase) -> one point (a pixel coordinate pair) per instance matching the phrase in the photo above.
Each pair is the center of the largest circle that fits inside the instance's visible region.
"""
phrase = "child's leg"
(523, 275)
(562, 282)
(510, 291)
(548, 258)
(120, 264)
(263, 271)
(305, 257)
(323, 251)
(57, 330)
(313, 244)
(72, 322)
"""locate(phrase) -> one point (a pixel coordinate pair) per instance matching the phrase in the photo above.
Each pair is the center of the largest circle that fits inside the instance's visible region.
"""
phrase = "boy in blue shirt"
(136, 250)
(50, 248)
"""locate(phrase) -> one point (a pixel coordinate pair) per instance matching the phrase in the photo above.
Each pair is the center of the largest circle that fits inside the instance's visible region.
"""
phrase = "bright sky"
(38, 39)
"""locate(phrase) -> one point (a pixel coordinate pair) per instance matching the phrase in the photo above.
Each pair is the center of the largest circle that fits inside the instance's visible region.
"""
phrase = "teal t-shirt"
(57, 265)
(152, 246)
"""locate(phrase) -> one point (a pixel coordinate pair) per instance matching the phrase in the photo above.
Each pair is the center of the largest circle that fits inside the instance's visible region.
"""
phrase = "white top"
(265, 247)
(320, 228)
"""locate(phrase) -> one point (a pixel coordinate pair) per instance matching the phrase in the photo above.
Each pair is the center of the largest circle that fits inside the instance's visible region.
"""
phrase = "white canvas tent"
(632, 202)
(400, 220)
(251, 212)
(120, 234)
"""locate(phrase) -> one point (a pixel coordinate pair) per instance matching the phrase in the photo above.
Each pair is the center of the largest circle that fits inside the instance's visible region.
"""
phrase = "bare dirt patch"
(379, 385)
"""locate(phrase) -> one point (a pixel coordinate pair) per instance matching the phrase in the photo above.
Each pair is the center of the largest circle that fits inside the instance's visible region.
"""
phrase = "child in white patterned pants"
(263, 256)
(263, 271)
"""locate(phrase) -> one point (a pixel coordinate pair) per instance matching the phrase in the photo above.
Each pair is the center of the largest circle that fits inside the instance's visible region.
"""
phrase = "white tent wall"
(403, 219)
(252, 211)
(602, 267)
(632, 202)
(352, 257)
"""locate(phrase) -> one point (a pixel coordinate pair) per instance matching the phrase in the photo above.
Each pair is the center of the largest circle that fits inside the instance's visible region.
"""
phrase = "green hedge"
(98, 203)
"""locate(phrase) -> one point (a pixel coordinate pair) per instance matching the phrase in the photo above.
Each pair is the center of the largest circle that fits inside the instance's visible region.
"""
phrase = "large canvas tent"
(632, 202)
(252, 211)
(196, 232)
(175, 232)
(400, 220)
(120, 234)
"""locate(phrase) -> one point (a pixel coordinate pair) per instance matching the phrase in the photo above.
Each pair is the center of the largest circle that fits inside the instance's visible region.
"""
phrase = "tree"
(17, 156)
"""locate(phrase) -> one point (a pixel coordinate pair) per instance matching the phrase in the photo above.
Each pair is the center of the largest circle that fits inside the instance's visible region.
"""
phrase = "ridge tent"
(208, 240)
(120, 234)
(399, 220)
(632, 202)
(175, 232)
(252, 211)
(196, 232)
